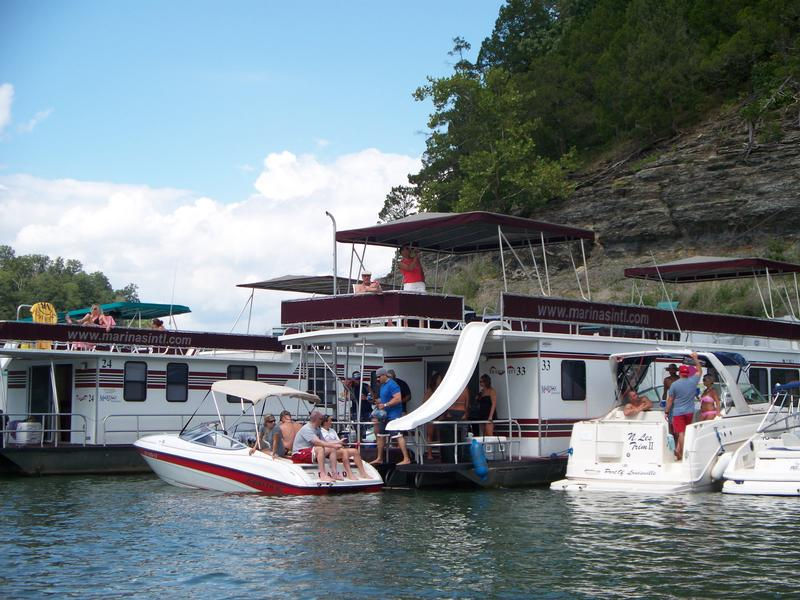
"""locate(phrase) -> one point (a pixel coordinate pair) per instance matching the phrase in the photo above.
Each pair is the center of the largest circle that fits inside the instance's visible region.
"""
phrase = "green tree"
(400, 202)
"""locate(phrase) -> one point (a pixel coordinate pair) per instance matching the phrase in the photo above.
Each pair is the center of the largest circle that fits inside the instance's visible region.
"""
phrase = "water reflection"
(139, 536)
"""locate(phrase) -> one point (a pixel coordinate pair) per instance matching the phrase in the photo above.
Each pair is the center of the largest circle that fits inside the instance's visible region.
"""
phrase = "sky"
(188, 147)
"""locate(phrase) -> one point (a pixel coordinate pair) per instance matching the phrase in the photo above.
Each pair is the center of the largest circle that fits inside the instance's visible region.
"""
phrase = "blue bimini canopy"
(127, 311)
(731, 358)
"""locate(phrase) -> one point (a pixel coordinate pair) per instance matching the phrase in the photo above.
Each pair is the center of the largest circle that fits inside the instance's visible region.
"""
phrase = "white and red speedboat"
(206, 457)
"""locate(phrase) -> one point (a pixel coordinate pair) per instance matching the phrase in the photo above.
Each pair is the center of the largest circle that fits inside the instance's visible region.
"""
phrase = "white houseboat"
(74, 398)
(547, 357)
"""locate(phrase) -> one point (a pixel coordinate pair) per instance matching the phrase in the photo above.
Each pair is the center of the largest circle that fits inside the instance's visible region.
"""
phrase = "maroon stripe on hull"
(262, 484)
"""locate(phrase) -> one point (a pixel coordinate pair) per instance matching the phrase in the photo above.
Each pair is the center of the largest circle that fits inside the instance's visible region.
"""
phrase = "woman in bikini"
(709, 400)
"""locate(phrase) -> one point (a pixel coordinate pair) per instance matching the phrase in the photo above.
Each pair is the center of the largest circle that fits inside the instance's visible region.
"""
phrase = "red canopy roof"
(461, 233)
(711, 268)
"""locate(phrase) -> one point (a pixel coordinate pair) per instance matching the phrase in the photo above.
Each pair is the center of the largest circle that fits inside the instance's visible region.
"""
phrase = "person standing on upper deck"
(681, 396)
(410, 265)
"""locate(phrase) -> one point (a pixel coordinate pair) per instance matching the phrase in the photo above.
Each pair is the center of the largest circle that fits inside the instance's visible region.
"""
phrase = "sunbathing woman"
(709, 400)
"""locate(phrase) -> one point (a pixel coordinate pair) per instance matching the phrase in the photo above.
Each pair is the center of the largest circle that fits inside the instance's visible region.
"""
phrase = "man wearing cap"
(353, 385)
(367, 286)
(681, 398)
(392, 402)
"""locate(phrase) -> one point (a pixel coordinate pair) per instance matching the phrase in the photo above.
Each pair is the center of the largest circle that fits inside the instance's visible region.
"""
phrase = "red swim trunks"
(302, 457)
(679, 422)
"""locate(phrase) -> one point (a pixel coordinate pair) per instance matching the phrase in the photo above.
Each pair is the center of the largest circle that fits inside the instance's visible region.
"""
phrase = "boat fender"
(479, 461)
(719, 467)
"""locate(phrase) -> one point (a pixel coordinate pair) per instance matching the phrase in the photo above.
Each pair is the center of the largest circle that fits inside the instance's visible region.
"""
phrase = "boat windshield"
(751, 394)
(207, 434)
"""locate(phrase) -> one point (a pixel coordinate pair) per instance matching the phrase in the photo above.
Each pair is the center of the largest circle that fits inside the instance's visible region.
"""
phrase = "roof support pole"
(250, 312)
(514, 253)
(546, 272)
(502, 257)
(666, 294)
(796, 292)
(577, 276)
(586, 271)
(508, 397)
(54, 424)
(333, 221)
(536, 268)
(760, 295)
(769, 291)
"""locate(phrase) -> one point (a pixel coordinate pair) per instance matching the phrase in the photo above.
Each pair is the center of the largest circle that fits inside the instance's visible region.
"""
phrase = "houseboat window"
(248, 372)
(573, 380)
(135, 383)
(321, 383)
(759, 377)
(785, 376)
(177, 382)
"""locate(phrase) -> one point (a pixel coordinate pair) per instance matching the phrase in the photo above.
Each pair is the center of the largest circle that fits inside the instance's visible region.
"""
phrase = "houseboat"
(547, 357)
(74, 398)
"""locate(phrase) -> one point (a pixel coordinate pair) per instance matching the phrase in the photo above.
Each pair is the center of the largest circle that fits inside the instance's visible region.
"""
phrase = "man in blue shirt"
(390, 401)
(681, 397)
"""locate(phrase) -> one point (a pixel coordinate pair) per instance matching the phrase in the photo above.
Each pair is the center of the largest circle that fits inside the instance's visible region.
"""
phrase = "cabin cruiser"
(768, 463)
(206, 457)
(547, 357)
(74, 398)
(636, 453)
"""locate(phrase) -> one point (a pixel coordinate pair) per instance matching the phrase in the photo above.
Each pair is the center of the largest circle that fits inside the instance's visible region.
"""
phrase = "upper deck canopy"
(127, 311)
(711, 268)
(321, 285)
(461, 233)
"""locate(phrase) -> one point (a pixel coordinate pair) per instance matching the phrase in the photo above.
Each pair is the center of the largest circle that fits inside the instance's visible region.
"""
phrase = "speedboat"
(769, 462)
(636, 453)
(207, 457)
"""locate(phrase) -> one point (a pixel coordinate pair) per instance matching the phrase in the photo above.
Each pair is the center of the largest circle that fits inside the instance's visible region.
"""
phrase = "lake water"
(108, 537)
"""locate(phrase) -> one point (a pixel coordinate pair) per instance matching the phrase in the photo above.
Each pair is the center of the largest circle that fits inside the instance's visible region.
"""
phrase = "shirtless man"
(635, 404)
(367, 286)
(289, 429)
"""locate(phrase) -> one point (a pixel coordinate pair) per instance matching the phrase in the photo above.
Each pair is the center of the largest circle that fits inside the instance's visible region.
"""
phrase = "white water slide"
(465, 358)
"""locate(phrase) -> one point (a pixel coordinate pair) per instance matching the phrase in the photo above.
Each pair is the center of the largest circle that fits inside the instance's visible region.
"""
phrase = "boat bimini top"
(629, 369)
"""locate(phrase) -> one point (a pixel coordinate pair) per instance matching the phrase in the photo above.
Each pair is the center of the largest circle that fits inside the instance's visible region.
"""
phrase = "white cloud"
(6, 97)
(151, 236)
(37, 118)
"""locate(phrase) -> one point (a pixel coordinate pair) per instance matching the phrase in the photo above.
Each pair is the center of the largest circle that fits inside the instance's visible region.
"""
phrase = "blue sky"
(213, 114)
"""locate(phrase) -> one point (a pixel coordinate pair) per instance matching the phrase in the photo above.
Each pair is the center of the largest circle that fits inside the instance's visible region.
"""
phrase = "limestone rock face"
(702, 189)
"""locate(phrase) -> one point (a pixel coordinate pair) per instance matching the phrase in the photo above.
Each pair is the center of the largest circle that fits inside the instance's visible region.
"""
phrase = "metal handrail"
(8, 417)
(139, 430)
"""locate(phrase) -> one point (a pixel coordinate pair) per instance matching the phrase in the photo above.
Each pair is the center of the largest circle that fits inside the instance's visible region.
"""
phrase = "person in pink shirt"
(411, 267)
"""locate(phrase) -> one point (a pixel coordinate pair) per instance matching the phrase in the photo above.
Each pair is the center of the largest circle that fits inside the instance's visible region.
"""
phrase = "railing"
(421, 444)
(138, 429)
(45, 433)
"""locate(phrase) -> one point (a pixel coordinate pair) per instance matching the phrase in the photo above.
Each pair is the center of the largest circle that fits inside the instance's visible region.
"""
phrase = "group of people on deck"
(314, 442)
(680, 392)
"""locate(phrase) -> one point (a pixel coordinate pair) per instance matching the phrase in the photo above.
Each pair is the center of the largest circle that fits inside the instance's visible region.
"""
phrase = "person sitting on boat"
(270, 439)
(96, 318)
(344, 454)
(411, 267)
(367, 285)
(390, 401)
(635, 404)
(288, 429)
(709, 399)
(310, 447)
(681, 398)
(158, 325)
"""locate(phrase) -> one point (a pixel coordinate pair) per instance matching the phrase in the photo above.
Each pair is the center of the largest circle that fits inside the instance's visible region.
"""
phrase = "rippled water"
(92, 537)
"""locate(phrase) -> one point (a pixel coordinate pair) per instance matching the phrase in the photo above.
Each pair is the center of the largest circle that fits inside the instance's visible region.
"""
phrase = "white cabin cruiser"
(769, 462)
(636, 453)
(207, 458)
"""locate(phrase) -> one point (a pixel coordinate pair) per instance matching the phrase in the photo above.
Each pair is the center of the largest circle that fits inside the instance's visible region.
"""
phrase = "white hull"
(189, 465)
(765, 466)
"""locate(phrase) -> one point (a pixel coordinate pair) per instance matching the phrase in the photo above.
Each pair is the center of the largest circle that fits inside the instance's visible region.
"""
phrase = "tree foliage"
(34, 278)
(560, 79)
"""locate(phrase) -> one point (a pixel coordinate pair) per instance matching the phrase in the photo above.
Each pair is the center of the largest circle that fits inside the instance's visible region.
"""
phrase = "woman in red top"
(410, 265)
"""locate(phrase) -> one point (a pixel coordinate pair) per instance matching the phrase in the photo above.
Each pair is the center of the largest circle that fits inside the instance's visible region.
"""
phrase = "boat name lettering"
(549, 389)
(109, 396)
(85, 397)
(643, 441)
(629, 472)
(612, 316)
(512, 370)
(495, 371)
